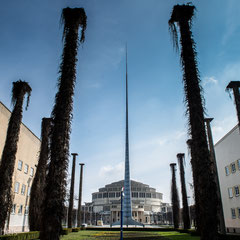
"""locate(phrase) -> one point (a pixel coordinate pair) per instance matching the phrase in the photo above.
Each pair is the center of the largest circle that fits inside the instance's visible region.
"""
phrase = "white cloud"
(110, 170)
(209, 80)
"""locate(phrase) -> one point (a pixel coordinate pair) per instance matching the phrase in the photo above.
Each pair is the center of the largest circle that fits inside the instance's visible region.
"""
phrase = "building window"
(233, 211)
(238, 211)
(31, 172)
(13, 209)
(118, 194)
(20, 163)
(238, 164)
(230, 192)
(20, 209)
(227, 170)
(26, 210)
(142, 195)
(23, 189)
(233, 167)
(16, 187)
(111, 195)
(236, 189)
(29, 191)
(135, 194)
(148, 195)
(26, 168)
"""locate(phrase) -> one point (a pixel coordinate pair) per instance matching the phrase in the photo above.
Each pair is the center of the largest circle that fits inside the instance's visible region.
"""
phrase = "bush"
(66, 231)
(145, 229)
(21, 236)
(77, 229)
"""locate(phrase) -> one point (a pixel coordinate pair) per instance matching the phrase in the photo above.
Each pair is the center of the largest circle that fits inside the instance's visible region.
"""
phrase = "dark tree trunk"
(185, 211)
(70, 207)
(175, 198)
(195, 183)
(37, 190)
(202, 167)
(55, 190)
(20, 88)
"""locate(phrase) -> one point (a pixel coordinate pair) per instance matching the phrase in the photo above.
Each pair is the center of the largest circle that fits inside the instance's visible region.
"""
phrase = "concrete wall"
(28, 152)
(228, 152)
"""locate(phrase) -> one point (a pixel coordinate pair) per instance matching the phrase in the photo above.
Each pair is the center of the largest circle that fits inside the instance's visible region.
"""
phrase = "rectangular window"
(16, 187)
(23, 189)
(233, 167)
(233, 211)
(238, 164)
(148, 195)
(111, 195)
(13, 209)
(29, 191)
(26, 210)
(20, 209)
(230, 192)
(118, 194)
(20, 163)
(31, 172)
(26, 168)
(227, 170)
(236, 189)
(142, 195)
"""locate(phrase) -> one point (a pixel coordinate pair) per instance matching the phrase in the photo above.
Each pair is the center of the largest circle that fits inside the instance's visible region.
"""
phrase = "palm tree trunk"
(174, 196)
(55, 190)
(207, 187)
(10, 150)
(70, 207)
(185, 212)
(195, 183)
(37, 190)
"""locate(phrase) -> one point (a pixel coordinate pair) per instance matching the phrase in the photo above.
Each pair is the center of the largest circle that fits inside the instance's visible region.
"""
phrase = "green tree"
(37, 190)
(185, 210)
(182, 16)
(174, 197)
(20, 88)
(55, 189)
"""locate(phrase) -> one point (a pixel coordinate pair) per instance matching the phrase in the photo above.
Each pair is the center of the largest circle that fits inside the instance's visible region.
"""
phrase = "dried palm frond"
(74, 17)
(21, 88)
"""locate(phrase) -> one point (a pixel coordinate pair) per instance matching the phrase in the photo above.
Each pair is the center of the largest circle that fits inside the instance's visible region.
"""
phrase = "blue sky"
(31, 48)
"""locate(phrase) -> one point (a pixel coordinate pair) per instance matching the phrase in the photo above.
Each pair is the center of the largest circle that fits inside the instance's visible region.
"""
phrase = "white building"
(146, 202)
(227, 152)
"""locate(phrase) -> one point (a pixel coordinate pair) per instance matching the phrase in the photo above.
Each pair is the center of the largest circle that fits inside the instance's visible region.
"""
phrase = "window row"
(23, 189)
(232, 167)
(134, 195)
(235, 212)
(26, 168)
(19, 210)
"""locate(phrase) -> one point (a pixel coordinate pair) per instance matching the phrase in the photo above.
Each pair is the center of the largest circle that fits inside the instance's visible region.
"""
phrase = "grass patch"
(129, 235)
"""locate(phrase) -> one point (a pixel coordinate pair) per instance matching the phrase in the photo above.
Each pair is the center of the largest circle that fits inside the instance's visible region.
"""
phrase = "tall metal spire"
(127, 210)
(127, 203)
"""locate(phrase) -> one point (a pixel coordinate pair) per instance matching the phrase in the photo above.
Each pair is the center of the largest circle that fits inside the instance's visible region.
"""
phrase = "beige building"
(25, 167)
(227, 152)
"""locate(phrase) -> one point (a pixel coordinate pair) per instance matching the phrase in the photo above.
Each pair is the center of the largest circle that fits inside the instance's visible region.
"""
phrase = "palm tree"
(55, 189)
(185, 212)
(37, 190)
(174, 196)
(182, 17)
(20, 88)
(195, 183)
(234, 86)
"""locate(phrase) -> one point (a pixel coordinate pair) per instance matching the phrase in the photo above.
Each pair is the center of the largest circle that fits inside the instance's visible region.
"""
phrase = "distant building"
(147, 205)
(227, 152)
(25, 167)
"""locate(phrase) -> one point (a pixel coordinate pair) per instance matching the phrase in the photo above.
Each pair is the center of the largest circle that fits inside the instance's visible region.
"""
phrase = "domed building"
(146, 202)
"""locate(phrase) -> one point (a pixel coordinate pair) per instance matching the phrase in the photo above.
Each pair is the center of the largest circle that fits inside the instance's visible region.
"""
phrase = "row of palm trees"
(208, 205)
(55, 137)
(48, 209)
